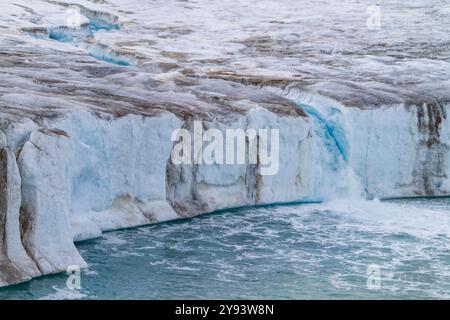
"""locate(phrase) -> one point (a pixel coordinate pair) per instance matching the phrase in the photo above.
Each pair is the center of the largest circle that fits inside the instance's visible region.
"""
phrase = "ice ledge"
(71, 177)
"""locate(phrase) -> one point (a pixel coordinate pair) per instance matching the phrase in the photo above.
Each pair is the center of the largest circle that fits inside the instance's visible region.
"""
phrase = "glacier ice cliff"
(86, 115)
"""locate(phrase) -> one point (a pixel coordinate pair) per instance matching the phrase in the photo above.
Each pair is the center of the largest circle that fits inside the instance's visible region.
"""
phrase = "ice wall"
(75, 176)
(399, 150)
(15, 264)
(72, 177)
(86, 114)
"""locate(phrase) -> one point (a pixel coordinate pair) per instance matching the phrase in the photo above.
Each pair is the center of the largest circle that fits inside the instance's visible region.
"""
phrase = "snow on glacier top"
(188, 55)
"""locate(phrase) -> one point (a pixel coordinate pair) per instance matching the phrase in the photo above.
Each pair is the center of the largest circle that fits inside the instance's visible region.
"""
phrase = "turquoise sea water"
(306, 251)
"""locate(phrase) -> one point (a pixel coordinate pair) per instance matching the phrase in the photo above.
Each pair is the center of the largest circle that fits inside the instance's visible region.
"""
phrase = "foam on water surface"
(298, 251)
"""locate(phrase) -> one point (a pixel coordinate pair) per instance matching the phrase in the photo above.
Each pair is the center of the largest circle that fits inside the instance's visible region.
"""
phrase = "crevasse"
(88, 174)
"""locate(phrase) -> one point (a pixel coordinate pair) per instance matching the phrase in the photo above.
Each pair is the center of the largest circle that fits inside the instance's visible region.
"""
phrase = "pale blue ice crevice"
(68, 35)
(334, 177)
(105, 53)
(82, 38)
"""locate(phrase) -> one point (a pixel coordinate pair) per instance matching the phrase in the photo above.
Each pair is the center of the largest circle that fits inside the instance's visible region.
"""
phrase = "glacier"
(87, 114)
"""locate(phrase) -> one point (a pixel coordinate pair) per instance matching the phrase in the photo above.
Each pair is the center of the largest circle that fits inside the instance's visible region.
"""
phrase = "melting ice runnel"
(334, 175)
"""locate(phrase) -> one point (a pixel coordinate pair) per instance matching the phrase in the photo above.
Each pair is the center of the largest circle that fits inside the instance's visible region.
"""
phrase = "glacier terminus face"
(95, 94)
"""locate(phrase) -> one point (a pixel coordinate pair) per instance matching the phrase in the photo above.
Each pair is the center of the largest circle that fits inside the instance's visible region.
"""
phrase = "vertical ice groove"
(83, 37)
(332, 133)
(334, 174)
